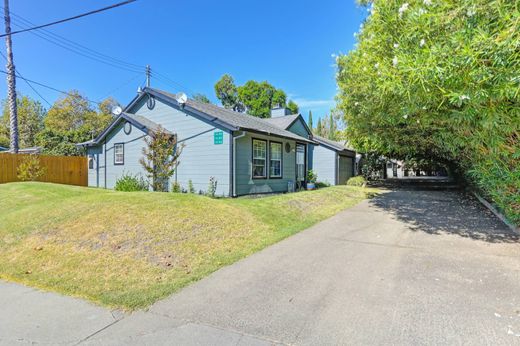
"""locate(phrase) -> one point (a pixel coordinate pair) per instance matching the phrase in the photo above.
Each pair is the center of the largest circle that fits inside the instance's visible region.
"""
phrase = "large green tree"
(72, 119)
(255, 98)
(201, 98)
(30, 121)
(439, 80)
(227, 93)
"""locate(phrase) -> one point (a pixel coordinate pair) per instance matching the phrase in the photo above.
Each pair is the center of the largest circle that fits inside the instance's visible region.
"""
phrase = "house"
(330, 160)
(244, 154)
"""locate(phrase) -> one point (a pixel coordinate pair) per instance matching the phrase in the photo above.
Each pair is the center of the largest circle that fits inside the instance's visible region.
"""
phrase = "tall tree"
(70, 120)
(319, 128)
(201, 98)
(226, 92)
(255, 98)
(293, 107)
(310, 121)
(30, 120)
(258, 98)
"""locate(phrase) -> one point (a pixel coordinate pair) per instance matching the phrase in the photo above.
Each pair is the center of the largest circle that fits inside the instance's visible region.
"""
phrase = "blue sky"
(192, 43)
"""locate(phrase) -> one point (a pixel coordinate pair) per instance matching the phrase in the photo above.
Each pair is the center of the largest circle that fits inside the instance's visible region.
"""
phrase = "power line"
(76, 47)
(70, 18)
(97, 56)
(121, 85)
(27, 82)
(51, 88)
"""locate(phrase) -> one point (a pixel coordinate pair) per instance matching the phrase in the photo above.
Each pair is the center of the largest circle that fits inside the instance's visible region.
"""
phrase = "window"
(91, 162)
(275, 160)
(259, 158)
(119, 154)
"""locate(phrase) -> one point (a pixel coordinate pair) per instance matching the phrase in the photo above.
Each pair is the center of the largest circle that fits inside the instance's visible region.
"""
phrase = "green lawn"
(128, 250)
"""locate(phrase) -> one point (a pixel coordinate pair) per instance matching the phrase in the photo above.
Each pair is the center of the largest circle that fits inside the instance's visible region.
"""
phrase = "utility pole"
(148, 74)
(11, 82)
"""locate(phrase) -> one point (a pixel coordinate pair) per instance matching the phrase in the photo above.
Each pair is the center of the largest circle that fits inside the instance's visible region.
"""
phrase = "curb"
(497, 213)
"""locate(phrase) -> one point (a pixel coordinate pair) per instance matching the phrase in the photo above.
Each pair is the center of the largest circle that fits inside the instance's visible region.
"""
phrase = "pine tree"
(319, 128)
(310, 121)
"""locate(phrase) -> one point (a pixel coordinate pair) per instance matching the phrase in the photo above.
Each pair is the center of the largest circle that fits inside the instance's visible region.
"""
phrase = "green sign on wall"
(218, 137)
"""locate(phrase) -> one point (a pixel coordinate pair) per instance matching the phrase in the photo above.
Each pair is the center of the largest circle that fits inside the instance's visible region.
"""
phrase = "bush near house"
(130, 183)
(129, 249)
(357, 181)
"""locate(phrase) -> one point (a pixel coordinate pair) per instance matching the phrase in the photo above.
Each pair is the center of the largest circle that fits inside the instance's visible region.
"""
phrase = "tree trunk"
(11, 82)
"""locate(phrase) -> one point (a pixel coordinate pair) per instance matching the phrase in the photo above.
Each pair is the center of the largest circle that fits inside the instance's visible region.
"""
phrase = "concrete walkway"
(407, 267)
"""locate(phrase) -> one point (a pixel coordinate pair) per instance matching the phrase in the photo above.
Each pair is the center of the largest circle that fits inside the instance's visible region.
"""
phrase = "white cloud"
(306, 103)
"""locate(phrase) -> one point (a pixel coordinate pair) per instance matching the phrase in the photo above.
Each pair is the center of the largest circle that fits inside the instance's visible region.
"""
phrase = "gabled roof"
(142, 123)
(226, 118)
(337, 146)
(286, 121)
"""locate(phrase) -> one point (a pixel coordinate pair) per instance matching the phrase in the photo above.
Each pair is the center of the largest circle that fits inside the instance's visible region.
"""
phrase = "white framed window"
(119, 154)
(275, 160)
(91, 162)
(259, 159)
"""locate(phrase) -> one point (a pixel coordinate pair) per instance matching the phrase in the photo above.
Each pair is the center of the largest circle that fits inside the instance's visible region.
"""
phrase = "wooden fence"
(70, 170)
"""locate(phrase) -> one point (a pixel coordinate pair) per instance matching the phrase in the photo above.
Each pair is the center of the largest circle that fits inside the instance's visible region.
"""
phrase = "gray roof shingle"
(283, 122)
(240, 121)
(333, 144)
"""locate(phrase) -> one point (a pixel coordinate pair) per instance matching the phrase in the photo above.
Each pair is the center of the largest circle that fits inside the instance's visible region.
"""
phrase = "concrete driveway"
(407, 267)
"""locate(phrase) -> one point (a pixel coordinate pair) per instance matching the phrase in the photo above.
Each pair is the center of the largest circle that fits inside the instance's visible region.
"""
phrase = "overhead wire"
(28, 83)
(92, 54)
(50, 87)
(69, 18)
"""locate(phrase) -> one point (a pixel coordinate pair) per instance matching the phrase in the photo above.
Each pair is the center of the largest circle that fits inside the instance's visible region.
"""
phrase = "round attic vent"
(151, 102)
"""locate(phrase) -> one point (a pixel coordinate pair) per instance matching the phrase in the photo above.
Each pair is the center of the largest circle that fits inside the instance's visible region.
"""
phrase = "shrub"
(357, 181)
(191, 188)
(212, 187)
(321, 184)
(176, 187)
(311, 176)
(129, 182)
(30, 169)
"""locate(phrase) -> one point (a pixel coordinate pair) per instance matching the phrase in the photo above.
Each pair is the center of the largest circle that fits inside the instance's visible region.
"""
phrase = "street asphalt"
(404, 268)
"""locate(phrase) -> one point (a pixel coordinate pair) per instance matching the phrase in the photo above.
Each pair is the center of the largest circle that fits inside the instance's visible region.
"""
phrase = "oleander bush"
(439, 80)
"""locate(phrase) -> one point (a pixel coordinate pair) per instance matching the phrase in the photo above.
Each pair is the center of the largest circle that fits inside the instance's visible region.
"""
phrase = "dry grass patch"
(130, 249)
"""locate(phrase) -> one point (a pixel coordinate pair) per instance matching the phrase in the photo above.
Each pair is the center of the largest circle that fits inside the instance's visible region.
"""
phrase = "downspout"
(235, 162)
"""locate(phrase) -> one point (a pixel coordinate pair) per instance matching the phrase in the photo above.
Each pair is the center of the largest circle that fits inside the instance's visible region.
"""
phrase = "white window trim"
(253, 158)
(122, 146)
(279, 160)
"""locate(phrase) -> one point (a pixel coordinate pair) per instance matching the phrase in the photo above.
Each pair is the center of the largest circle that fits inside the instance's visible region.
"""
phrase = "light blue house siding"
(323, 163)
(201, 158)
(245, 184)
(133, 144)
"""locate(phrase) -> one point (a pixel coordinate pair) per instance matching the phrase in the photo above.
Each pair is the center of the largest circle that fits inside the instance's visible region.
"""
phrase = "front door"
(300, 165)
